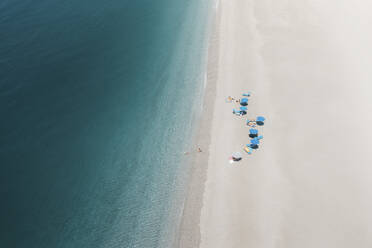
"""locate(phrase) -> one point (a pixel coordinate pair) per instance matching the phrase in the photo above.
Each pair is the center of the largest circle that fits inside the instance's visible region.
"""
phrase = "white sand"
(309, 66)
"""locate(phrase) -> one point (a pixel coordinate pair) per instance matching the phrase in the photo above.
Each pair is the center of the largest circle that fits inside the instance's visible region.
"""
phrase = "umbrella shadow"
(254, 146)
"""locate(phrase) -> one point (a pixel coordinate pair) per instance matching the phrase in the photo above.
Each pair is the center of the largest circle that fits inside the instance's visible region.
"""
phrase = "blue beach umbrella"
(247, 94)
(255, 141)
(260, 118)
(243, 108)
(244, 101)
(253, 131)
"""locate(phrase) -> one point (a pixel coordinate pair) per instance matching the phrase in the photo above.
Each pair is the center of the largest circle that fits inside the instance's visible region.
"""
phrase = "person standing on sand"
(187, 153)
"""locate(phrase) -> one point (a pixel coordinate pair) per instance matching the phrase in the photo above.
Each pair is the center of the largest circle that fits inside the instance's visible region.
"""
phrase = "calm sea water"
(97, 101)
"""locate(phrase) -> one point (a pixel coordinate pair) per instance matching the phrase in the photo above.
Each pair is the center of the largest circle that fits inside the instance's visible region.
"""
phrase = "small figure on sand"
(251, 123)
(198, 150)
(229, 99)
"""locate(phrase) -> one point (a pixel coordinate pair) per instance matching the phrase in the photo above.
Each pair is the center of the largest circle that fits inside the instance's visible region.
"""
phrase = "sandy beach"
(307, 64)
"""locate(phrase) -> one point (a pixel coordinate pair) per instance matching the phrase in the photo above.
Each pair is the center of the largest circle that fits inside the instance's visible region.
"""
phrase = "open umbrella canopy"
(244, 101)
(237, 155)
(260, 118)
(243, 108)
(255, 141)
(253, 131)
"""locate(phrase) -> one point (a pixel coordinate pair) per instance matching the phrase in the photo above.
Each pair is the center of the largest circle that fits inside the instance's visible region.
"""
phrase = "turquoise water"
(97, 104)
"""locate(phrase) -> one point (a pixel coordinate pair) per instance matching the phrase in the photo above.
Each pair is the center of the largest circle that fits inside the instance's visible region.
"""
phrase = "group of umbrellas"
(243, 108)
(253, 131)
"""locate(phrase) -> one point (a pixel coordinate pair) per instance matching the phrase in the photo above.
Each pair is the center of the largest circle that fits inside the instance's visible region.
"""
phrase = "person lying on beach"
(251, 123)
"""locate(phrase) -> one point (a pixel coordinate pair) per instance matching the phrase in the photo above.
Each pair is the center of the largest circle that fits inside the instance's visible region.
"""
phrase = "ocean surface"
(98, 101)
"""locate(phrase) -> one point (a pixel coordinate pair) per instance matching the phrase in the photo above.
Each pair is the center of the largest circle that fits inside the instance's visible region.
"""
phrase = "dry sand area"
(309, 67)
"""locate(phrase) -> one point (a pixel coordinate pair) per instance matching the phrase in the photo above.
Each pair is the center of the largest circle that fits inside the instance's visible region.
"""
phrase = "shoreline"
(189, 230)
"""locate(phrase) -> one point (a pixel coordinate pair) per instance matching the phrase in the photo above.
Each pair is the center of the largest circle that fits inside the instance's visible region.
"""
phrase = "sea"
(99, 101)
